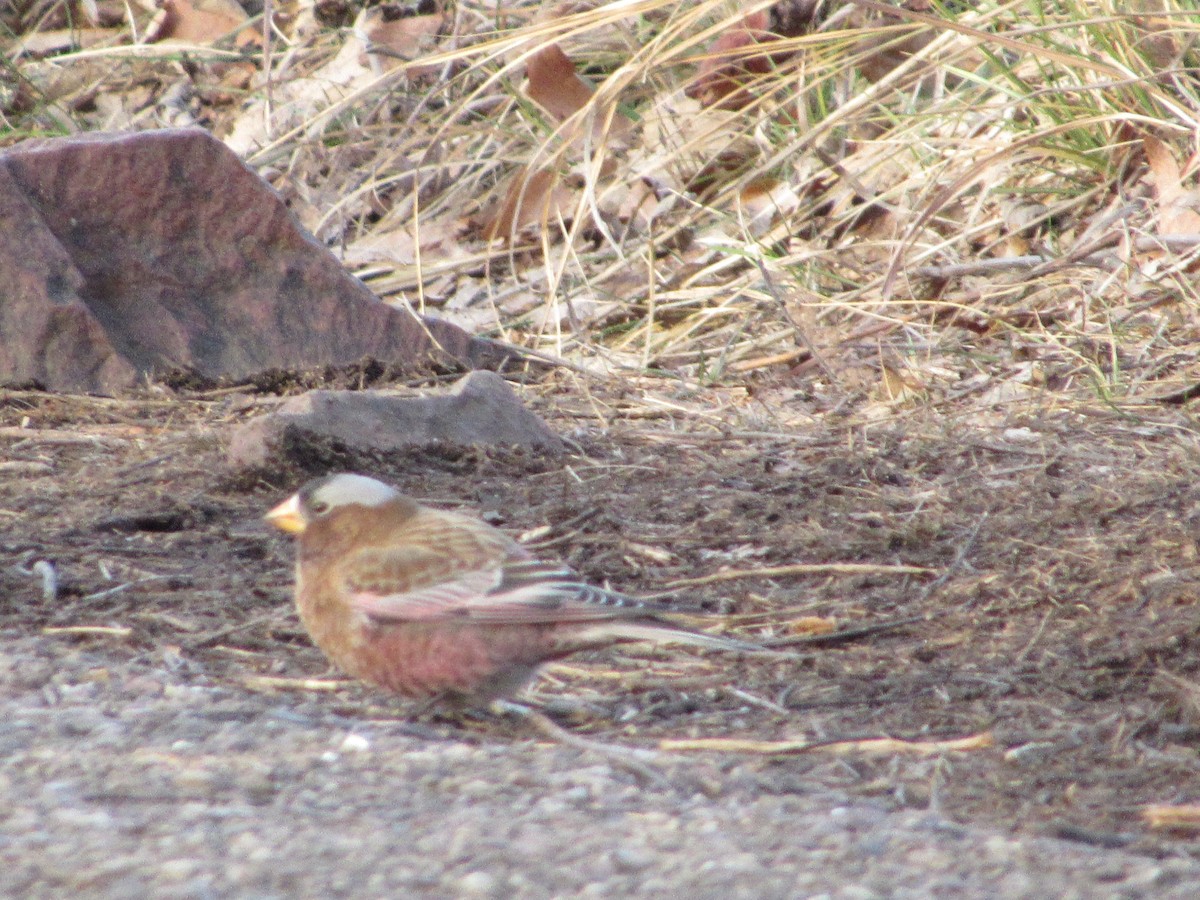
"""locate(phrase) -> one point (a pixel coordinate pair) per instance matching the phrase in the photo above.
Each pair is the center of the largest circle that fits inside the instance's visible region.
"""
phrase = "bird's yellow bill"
(286, 516)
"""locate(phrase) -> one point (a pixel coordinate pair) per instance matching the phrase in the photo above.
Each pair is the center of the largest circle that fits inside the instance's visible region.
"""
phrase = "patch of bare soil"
(143, 745)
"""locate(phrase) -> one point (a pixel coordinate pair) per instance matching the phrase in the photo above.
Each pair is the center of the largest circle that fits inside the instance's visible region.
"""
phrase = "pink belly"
(422, 660)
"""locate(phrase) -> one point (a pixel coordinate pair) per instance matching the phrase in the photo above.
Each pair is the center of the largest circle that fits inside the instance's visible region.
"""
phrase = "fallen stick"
(872, 746)
(801, 569)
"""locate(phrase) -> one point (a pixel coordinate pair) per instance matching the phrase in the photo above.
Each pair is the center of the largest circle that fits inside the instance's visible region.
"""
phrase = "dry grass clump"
(851, 207)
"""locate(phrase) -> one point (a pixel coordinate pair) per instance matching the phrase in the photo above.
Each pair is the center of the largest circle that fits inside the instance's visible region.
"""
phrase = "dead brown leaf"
(392, 39)
(532, 196)
(555, 86)
(201, 22)
(1177, 205)
(728, 70)
(764, 201)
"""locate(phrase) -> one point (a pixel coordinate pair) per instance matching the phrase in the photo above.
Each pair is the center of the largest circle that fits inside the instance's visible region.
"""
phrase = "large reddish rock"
(130, 255)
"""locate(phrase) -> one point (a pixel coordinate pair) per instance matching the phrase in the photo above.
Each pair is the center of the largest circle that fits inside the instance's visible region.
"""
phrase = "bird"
(440, 605)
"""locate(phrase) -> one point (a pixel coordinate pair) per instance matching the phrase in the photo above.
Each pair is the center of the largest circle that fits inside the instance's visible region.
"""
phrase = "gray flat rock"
(481, 408)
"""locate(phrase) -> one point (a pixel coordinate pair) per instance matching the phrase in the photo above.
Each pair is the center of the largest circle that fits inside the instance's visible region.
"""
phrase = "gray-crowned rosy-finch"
(429, 603)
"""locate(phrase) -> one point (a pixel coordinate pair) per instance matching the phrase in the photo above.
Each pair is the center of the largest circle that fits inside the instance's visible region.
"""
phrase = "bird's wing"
(457, 569)
(518, 591)
(532, 591)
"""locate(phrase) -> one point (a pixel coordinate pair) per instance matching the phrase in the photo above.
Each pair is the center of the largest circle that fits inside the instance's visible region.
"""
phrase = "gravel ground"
(134, 784)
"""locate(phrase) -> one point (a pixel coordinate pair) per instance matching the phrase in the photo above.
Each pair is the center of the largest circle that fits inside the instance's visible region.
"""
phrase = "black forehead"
(314, 485)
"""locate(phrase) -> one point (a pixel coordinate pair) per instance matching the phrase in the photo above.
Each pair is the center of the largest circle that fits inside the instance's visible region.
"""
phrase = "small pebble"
(632, 859)
(477, 883)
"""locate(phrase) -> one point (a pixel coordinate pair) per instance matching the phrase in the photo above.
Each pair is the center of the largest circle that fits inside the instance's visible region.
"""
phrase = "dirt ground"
(145, 746)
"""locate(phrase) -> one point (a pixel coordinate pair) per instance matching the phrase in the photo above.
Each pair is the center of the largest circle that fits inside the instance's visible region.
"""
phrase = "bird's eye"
(319, 507)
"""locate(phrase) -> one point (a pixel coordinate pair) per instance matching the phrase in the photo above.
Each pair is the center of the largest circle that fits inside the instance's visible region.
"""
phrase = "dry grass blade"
(1185, 817)
(271, 683)
(89, 630)
(800, 569)
(871, 746)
